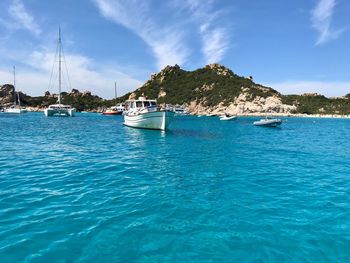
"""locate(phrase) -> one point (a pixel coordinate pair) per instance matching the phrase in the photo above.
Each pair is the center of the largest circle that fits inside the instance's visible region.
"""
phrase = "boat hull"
(60, 112)
(157, 120)
(268, 123)
(15, 111)
(112, 113)
(228, 118)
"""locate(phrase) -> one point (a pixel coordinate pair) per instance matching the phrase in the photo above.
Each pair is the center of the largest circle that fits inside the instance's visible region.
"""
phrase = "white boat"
(268, 122)
(59, 109)
(15, 108)
(227, 117)
(144, 114)
(180, 110)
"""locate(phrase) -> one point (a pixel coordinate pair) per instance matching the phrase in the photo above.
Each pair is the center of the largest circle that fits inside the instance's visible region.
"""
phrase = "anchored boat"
(115, 110)
(268, 122)
(227, 117)
(59, 109)
(15, 108)
(143, 113)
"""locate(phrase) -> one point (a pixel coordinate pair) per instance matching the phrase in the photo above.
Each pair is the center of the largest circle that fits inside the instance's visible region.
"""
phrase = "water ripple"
(87, 189)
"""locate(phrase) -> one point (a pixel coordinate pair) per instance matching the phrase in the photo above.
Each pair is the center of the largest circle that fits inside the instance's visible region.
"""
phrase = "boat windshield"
(141, 104)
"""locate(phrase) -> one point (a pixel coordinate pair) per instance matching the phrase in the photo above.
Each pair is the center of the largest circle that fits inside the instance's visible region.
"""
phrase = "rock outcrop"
(6, 94)
(215, 89)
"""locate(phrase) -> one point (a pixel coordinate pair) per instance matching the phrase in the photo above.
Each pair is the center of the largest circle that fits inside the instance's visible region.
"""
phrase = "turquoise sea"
(88, 189)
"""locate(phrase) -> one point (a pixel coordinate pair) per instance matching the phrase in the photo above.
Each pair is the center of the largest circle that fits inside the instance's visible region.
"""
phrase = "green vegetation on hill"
(210, 85)
(78, 100)
(318, 104)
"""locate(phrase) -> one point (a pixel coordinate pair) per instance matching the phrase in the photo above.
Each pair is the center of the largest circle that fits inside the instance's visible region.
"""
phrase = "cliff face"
(6, 94)
(213, 88)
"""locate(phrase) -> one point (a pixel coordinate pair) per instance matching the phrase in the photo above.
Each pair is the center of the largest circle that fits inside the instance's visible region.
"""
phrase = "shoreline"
(298, 115)
(260, 114)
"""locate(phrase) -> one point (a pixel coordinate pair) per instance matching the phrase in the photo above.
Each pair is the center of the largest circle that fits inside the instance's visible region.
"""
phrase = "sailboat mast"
(14, 84)
(115, 90)
(59, 65)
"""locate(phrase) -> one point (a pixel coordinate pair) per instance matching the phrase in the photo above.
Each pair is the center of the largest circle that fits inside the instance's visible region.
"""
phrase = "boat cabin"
(59, 106)
(141, 105)
(119, 107)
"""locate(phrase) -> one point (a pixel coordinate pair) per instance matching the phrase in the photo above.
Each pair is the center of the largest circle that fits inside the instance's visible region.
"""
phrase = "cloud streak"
(22, 19)
(168, 30)
(166, 41)
(321, 18)
(215, 39)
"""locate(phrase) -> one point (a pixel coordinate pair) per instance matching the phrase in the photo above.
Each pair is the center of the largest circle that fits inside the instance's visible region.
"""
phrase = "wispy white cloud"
(215, 39)
(165, 40)
(321, 18)
(22, 18)
(170, 36)
(326, 88)
(33, 76)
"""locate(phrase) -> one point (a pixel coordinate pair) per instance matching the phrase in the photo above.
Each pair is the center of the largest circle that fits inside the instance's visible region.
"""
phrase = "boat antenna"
(59, 64)
(14, 84)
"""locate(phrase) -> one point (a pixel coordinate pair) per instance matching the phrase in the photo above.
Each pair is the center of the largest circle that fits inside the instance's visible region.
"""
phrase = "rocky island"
(212, 89)
(216, 89)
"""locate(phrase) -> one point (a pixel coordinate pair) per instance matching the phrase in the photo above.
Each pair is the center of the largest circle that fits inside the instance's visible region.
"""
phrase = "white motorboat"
(143, 113)
(59, 109)
(268, 122)
(15, 108)
(180, 110)
(227, 117)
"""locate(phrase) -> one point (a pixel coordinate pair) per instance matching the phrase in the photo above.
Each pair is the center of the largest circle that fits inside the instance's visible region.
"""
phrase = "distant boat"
(15, 108)
(180, 110)
(144, 113)
(211, 115)
(268, 122)
(59, 109)
(227, 117)
(115, 110)
(119, 109)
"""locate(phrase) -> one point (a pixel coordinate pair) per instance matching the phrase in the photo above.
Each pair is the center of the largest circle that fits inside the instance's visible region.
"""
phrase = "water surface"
(88, 189)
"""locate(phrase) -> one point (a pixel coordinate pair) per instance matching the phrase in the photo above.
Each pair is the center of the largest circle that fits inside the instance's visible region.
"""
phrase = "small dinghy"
(268, 122)
(227, 117)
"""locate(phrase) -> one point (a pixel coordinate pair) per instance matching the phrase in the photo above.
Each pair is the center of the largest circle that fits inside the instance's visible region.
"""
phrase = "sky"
(293, 46)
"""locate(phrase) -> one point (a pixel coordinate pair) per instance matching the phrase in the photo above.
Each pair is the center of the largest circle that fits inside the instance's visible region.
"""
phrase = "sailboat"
(115, 110)
(59, 109)
(15, 109)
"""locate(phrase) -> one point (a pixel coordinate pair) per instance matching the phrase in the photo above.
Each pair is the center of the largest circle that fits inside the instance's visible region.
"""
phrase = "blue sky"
(294, 46)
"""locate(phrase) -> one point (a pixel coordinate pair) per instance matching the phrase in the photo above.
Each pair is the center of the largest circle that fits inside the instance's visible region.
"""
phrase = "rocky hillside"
(213, 88)
(80, 100)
